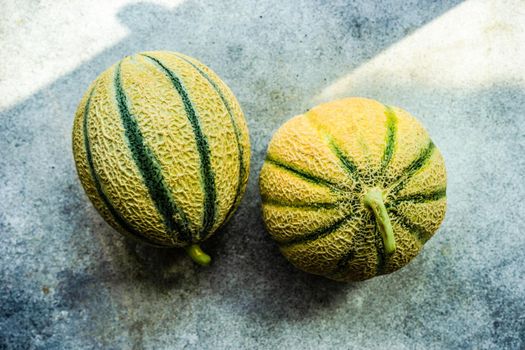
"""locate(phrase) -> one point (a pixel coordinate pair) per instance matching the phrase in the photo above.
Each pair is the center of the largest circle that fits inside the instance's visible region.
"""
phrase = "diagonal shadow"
(276, 57)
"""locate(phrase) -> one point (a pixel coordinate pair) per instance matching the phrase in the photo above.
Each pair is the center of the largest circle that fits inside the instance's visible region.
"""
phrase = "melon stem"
(196, 254)
(374, 200)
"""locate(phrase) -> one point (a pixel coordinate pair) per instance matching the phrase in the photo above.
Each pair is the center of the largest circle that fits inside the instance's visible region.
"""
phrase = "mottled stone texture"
(67, 280)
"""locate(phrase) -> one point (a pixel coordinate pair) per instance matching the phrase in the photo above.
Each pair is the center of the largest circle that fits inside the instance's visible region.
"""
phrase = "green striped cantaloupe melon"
(352, 189)
(162, 150)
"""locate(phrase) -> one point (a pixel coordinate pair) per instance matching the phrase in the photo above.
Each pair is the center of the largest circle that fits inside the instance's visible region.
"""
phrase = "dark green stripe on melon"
(422, 197)
(317, 234)
(420, 233)
(413, 168)
(300, 173)
(150, 168)
(96, 181)
(207, 175)
(348, 164)
(391, 122)
(242, 170)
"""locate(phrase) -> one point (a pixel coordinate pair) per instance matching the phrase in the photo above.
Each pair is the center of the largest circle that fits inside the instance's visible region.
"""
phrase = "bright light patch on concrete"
(46, 40)
(476, 44)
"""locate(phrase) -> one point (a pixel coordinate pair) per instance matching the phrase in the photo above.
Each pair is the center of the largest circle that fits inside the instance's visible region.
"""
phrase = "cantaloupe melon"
(352, 189)
(162, 150)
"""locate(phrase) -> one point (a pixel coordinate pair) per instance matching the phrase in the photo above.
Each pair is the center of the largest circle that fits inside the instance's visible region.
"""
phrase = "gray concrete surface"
(67, 280)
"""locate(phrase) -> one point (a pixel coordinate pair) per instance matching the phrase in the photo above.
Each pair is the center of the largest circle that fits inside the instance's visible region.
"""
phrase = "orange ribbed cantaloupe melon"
(162, 149)
(352, 189)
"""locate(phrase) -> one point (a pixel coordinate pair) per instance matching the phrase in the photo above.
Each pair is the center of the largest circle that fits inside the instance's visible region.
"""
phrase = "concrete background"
(67, 280)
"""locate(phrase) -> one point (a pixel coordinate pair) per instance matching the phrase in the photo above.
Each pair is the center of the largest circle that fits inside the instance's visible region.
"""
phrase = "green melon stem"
(195, 252)
(374, 200)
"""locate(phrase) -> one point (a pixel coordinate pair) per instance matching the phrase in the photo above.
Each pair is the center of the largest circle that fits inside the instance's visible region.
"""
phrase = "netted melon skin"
(318, 169)
(162, 148)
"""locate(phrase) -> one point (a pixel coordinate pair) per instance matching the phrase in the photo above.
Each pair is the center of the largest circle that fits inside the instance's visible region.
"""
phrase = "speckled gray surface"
(67, 280)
